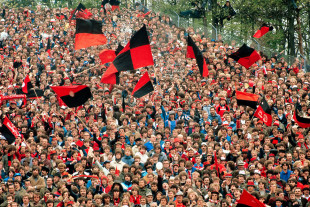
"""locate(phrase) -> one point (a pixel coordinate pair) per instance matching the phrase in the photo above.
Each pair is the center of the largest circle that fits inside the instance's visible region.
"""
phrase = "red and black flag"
(9, 131)
(245, 56)
(216, 164)
(263, 112)
(143, 87)
(247, 99)
(80, 13)
(26, 84)
(60, 16)
(48, 47)
(35, 93)
(262, 31)
(194, 53)
(32, 93)
(107, 56)
(301, 121)
(88, 33)
(136, 54)
(73, 96)
(247, 200)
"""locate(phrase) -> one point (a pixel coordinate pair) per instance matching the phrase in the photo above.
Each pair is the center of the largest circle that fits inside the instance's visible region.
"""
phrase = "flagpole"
(82, 122)
(87, 69)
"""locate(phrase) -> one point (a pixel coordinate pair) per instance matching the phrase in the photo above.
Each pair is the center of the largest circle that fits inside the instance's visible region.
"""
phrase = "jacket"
(39, 182)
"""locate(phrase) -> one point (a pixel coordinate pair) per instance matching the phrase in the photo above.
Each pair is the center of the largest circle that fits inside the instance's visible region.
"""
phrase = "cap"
(306, 187)
(176, 140)
(107, 161)
(17, 174)
(179, 193)
(273, 177)
(229, 194)
(228, 175)
(250, 183)
(271, 155)
(149, 193)
(257, 172)
(138, 139)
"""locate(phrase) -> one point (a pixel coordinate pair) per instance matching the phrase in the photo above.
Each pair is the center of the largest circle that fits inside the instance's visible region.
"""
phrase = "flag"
(246, 56)
(143, 87)
(194, 53)
(136, 54)
(262, 31)
(88, 33)
(247, 99)
(32, 93)
(263, 112)
(48, 47)
(301, 121)
(247, 200)
(80, 12)
(216, 164)
(60, 16)
(9, 131)
(107, 56)
(73, 96)
(26, 84)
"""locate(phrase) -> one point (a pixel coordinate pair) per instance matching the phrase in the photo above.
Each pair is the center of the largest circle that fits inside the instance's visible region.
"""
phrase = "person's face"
(25, 199)
(298, 192)
(142, 201)
(36, 198)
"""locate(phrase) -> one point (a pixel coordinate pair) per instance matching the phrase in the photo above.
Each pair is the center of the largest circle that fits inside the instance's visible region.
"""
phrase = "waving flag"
(247, 200)
(73, 96)
(247, 99)
(143, 87)
(9, 131)
(262, 31)
(88, 33)
(107, 56)
(136, 54)
(301, 121)
(26, 84)
(80, 12)
(245, 56)
(194, 53)
(263, 112)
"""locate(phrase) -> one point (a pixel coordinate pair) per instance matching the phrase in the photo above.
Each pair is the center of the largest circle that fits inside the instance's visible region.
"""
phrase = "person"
(228, 11)
(158, 149)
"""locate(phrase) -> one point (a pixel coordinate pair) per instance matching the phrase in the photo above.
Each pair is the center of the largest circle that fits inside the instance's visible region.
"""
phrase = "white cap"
(257, 172)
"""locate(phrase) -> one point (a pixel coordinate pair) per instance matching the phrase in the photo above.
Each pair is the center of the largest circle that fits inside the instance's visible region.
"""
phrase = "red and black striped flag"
(301, 121)
(60, 16)
(247, 99)
(26, 84)
(107, 56)
(88, 33)
(48, 47)
(9, 131)
(247, 200)
(73, 96)
(80, 13)
(194, 53)
(263, 112)
(262, 31)
(245, 56)
(136, 54)
(143, 87)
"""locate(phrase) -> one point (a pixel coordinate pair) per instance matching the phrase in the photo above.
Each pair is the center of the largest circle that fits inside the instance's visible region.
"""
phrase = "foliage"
(281, 14)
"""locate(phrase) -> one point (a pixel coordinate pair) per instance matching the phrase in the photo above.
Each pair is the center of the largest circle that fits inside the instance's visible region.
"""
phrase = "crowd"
(158, 150)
